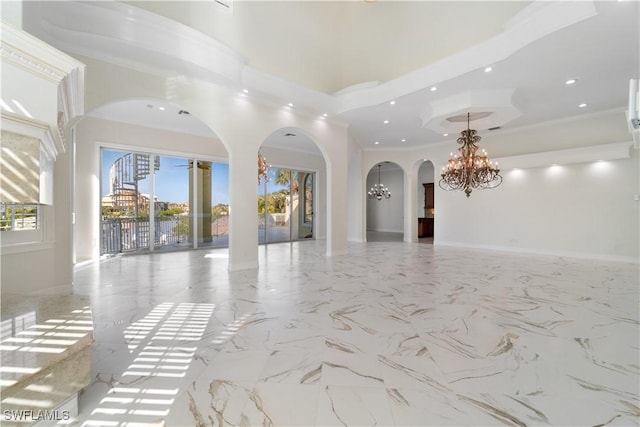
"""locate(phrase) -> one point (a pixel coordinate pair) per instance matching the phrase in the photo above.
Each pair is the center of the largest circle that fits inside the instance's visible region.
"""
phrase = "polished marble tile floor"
(392, 333)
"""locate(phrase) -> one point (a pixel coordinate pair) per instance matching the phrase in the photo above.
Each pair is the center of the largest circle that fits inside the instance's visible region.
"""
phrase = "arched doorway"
(291, 197)
(385, 215)
(148, 176)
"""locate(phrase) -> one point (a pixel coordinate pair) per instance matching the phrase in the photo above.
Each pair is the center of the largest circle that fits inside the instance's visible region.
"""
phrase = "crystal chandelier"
(262, 168)
(469, 170)
(378, 191)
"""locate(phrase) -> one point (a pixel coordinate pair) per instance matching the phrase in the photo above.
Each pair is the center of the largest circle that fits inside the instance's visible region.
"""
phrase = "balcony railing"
(132, 234)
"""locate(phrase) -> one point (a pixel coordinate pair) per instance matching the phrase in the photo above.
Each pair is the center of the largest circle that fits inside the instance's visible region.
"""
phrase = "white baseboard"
(239, 266)
(567, 254)
(385, 230)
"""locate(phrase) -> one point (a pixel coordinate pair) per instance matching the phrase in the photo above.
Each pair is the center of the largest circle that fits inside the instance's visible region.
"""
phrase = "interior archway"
(292, 200)
(385, 215)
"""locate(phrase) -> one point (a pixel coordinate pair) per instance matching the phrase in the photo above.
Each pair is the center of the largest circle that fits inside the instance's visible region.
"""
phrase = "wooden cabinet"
(428, 197)
(425, 225)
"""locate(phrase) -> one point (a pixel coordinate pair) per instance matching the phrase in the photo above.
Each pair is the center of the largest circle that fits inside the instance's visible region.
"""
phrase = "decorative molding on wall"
(603, 152)
(36, 57)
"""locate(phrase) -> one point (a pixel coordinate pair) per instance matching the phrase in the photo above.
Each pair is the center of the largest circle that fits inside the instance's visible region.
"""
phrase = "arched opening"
(291, 197)
(149, 176)
(384, 213)
(426, 201)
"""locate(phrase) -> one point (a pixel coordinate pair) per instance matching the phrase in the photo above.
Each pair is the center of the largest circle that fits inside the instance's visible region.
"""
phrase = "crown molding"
(34, 56)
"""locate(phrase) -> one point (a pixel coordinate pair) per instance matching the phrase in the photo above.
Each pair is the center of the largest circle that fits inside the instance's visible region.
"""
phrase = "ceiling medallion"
(469, 170)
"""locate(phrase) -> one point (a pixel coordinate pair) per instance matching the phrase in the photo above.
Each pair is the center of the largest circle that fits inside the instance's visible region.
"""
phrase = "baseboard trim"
(239, 266)
(567, 254)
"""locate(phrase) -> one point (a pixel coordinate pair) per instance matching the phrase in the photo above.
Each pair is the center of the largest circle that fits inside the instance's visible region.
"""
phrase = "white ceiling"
(533, 50)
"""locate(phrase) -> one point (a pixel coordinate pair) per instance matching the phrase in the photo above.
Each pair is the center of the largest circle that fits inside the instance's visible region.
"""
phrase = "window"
(26, 182)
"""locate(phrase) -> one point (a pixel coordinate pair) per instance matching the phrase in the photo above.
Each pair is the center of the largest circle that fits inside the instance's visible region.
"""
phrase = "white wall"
(30, 102)
(386, 214)
(356, 197)
(584, 210)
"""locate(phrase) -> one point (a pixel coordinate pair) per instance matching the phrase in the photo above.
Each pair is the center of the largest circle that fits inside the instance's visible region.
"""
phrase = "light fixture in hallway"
(469, 170)
(262, 168)
(378, 191)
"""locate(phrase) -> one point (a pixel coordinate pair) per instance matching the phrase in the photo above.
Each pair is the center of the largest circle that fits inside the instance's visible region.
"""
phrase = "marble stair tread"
(42, 335)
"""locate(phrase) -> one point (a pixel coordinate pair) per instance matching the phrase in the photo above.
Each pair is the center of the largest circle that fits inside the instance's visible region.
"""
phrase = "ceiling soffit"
(119, 33)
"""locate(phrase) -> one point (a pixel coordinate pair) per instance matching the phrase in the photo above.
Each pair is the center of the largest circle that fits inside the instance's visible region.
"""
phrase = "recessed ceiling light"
(404, 140)
(386, 122)
(393, 103)
(161, 108)
(582, 105)
(245, 90)
(445, 134)
(571, 81)
(433, 88)
(290, 104)
(488, 69)
(377, 142)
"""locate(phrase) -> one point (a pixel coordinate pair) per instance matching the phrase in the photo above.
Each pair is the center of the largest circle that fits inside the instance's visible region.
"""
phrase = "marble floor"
(392, 333)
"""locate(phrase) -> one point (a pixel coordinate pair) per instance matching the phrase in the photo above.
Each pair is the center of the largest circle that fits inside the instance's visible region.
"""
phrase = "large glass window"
(152, 202)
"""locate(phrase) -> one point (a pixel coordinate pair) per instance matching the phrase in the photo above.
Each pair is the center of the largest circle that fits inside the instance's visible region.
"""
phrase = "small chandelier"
(469, 170)
(378, 191)
(262, 168)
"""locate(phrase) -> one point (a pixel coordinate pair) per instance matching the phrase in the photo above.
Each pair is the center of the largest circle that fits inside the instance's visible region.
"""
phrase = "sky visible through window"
(172, 180)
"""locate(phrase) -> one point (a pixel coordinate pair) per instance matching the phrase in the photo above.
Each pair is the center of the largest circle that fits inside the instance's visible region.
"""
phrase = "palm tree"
(283, 177)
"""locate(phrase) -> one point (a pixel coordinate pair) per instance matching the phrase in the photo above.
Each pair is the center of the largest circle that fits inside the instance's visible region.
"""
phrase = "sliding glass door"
(285, 206)
(153, 202)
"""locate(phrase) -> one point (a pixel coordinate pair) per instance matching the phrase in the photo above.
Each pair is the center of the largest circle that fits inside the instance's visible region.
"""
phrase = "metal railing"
(132, 234)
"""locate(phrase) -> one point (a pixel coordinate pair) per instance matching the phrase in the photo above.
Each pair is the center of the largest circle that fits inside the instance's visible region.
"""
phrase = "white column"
(337, 173)
(243, 212)
(410, 207)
